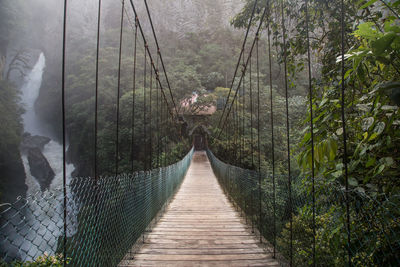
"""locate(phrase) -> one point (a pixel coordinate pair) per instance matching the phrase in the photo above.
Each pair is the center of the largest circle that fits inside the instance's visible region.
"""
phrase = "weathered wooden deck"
(201, 228)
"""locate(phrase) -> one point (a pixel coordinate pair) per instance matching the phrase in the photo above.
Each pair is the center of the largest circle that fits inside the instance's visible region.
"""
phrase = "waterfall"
(45, 209)
(30, 92)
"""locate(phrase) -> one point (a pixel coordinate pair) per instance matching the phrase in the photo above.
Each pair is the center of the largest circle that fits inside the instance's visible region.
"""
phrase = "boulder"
(35, 141)
(40, 168)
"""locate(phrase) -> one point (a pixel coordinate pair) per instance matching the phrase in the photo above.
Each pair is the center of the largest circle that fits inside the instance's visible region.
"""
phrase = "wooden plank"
(201, 251)
(237, 263)
(204, 221)
(201, 241)
(152, 236)
(202, 257)
(200, 246)
(200, 228)
(197, 232)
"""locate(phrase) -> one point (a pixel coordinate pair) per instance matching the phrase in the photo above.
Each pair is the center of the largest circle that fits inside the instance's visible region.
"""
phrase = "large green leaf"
(383, 43)
(371, 161)
(365, 30)
(332, 147)
(379, 128)
(369, 3)
(392, 89)
(367, 123)
(395, 95)
(353, 181)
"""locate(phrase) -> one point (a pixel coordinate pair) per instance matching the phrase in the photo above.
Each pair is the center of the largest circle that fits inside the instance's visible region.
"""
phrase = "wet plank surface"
(201, 228)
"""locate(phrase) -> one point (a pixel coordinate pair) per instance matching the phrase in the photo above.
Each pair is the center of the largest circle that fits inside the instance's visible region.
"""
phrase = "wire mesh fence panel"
(375, 229)
(288, 226)
(105, 218)
(241, 185)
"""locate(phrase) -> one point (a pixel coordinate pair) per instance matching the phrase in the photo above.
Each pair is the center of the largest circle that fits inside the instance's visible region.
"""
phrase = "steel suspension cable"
(165, 136)
(310, 91)
(243, 110)
(161, 59)
(238, 62)
(63, 134)
(96, 103)
(258, 141)
(134, 94)
(287, 130)
(151, 59)
(158, 119)
(251, 116)
(150, 127)
(144, 108)
(150, 56)
(345, 155)
(116, 208)
(237, 130)
(231, 137)
(227, 137)
(95, 163)
(168, 110)
(169, 147)
(237, 134)
(167, 140)
(272, 135)
(170, 120)
(245, 66)
(162, 136)
(119, 89)
(234, 132)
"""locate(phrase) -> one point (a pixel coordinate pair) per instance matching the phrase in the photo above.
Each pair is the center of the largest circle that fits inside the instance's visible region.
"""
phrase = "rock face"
(35, 141)
(12, 176)
(40, 168)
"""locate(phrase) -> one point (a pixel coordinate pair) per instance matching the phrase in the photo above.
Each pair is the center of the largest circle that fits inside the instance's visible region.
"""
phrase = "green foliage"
(201, 60)
(147, 129)
(372, 112)
(41, 261)
(194, 62)
(10, 116)
(329, 238)
(240, 148)
(186, 79)
(372, 133)
(372, 98)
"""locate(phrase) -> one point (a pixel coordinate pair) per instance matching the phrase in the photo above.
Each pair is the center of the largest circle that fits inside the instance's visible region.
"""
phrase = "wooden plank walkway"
(201, 228)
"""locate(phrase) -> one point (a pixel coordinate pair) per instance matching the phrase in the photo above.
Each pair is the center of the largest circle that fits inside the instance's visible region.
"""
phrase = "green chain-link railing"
(104, 218)
(375, 228)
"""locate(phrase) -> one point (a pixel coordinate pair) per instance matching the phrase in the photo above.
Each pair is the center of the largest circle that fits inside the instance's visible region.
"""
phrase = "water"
(48, 205)
(30, 92)
(33, 125)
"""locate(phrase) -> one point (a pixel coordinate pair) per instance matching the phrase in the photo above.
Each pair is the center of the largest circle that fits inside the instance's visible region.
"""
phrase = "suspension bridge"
(206, 209)
(201, 228)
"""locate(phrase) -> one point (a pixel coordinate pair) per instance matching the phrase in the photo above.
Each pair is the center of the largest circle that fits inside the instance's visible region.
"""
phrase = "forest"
(197, 61)
(372, 129)
(286, 120)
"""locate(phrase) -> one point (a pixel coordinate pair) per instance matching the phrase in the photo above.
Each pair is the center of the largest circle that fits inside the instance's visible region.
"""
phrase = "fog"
(31, 66)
